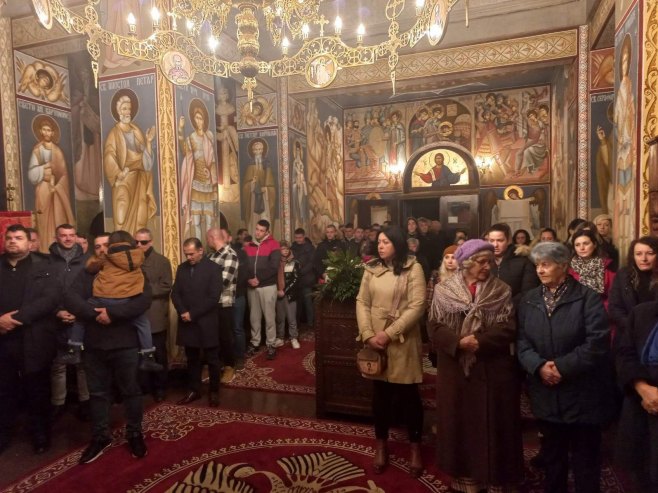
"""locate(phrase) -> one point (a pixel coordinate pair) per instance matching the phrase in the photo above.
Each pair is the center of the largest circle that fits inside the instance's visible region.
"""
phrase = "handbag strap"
(397, 293)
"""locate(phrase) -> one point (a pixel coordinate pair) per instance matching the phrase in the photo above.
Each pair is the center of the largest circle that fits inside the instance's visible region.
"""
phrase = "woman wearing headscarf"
(564, 348)
(478, 419)
(393, 273)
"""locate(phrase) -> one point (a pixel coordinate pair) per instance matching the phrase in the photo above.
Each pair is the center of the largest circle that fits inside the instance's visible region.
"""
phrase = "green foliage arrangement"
(344, 273)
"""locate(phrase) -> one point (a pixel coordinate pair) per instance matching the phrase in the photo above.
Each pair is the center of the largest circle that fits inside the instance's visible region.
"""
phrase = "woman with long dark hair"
(521, 237)
(589, 265)
(634, 284)
(394, 275)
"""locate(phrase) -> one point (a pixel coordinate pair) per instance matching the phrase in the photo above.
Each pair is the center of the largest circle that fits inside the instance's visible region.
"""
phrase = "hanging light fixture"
(318, 56)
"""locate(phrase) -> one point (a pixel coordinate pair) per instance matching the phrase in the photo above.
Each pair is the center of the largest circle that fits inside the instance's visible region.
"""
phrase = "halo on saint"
(321, 70)
(513, 192)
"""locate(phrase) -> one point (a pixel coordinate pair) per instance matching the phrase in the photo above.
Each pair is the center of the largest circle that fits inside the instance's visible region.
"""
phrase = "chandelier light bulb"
(338, 24)
(305, 31)
(419, 6)
(360, 32)
(190, 26)
(212, 43)
(285, 44)
(132, 23)
(436, 30)
(155, 15)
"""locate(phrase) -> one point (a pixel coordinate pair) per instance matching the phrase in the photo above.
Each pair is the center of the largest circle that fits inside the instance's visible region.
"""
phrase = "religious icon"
(439, 170)
(177, 68)
(42, 81)
(437, 24)
(257, 113)
(321, 70)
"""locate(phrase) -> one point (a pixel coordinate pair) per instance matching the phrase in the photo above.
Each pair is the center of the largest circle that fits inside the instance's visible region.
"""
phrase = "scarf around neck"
(591, 272)
(454, 306)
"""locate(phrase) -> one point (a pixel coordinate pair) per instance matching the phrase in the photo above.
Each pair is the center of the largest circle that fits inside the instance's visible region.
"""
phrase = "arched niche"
(455, 157)
(442, 180)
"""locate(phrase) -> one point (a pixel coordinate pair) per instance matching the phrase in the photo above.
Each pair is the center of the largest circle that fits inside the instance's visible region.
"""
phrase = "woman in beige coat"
(397, 387)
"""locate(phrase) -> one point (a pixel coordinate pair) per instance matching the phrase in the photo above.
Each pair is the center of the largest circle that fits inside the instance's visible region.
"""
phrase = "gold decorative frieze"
(169, 206)
(285, 160)
(599, 19)
(28, 31)
(649, 107)
(583, 121)
(9, 118)
(529, 49)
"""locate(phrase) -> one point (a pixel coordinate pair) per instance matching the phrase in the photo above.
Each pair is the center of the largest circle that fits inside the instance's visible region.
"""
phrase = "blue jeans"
(118, 367)
(239, 341)
(141, 323)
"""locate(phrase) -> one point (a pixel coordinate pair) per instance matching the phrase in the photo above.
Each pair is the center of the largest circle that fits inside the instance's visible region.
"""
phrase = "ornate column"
(9, 118)
(285, 159)
(583, 121)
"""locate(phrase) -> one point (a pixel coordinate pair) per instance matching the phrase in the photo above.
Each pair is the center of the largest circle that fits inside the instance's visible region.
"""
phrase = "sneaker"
(95, 450)
(278, 342)
(294, 343)
(271, 353)
(228, 374)
(147, 363)
(72, 356)
(137, 446)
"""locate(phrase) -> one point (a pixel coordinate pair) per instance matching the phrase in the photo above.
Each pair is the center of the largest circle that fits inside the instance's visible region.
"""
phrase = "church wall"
(627, 127)
(43, 101)
(324, 134)
(132, 202)
(507, 131)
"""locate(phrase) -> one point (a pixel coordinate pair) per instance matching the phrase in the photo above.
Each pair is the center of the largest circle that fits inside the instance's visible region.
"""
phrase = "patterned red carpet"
(293, 371)
(201, 449)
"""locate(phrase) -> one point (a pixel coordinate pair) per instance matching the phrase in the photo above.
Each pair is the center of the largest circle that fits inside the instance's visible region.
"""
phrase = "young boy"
(118, 277)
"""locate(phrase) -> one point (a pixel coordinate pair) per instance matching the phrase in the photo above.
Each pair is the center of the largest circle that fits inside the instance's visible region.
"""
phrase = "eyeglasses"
(144, 242)
(483, 261)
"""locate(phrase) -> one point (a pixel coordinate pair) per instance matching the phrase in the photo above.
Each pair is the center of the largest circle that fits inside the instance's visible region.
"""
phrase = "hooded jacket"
(263, 260)
(120, 274)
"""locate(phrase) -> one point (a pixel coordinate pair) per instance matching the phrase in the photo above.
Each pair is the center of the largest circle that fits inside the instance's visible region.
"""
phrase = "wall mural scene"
(522, 207)
(258, 113)
(443, 120)
(375, 147)
(512, 136)
(601, 152)
(296, 116)
(625, 125)
(86, 139)
(438, 170)
(42, 81)
(559, 175)
(228, 176)
(197, 163)
(113, 16)
(299, 210)
(259, 168)
(325, 166)
(602, 69)
(128, 117)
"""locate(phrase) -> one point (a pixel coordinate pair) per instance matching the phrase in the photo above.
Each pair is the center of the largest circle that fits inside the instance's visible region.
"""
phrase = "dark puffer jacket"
(517, 271)
(577, 338)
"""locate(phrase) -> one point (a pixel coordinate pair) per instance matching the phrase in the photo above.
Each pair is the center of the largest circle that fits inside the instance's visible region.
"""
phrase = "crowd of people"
(501, 313)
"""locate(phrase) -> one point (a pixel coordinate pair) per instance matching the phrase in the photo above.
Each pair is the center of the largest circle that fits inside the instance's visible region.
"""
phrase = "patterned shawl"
(591, 272)
(452, 301)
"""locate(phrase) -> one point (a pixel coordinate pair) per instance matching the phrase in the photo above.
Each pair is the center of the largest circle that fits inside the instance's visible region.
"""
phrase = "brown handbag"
(369, 361)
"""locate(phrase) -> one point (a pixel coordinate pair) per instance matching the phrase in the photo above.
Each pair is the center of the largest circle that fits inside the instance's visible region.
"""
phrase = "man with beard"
(128, 159)
(258, 187)
(28, 298)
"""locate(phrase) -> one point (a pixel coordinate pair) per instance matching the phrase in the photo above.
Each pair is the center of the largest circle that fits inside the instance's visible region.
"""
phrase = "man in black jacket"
(330, 244)
(512, 264)
(304, 251)
(196, 294)
(29, 295)
(67, 261)
(111, 356)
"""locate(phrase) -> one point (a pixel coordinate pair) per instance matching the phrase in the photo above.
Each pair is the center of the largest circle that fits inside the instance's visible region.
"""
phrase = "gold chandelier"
(180, 26)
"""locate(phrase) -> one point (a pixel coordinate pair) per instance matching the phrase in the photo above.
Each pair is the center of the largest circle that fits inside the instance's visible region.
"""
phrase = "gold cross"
(174, 16)
(321, 22)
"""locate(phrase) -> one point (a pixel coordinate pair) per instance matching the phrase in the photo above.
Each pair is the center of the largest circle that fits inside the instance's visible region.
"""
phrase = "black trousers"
(195, 365)
(388, 398)
(15, 383)
(156, 381)
(225, 315)
(584, 443)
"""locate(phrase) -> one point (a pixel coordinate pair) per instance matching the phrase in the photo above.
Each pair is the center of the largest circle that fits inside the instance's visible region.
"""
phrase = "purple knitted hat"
(470, 248)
